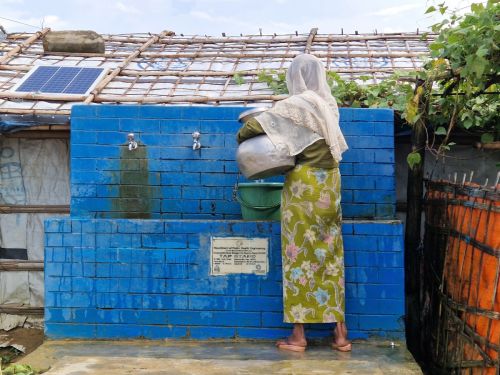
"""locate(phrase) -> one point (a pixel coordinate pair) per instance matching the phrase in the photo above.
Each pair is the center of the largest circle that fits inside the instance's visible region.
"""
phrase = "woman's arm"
(251, 129)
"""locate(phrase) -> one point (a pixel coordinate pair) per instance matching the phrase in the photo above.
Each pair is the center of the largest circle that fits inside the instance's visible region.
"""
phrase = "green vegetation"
(458, 86)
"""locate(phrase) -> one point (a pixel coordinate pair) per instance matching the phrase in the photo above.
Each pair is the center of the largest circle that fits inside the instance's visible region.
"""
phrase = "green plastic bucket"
(260, 201)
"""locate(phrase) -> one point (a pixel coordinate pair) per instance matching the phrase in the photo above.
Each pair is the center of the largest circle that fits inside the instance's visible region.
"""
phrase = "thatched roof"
(165, 68)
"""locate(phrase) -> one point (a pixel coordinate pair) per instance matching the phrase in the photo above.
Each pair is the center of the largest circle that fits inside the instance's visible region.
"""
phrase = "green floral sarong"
(312, 247)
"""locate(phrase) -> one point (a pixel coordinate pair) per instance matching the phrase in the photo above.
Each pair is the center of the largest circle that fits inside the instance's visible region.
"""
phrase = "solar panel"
(60, 80)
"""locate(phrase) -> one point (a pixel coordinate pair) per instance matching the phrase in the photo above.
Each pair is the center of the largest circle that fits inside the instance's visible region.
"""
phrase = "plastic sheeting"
(32, 172)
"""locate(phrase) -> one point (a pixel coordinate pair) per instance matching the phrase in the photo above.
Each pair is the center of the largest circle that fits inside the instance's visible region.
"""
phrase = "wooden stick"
(310, 39)
(119, 68)
(20, 47)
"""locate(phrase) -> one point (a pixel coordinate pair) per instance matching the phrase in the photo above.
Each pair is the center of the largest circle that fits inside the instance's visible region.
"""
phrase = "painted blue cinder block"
(132, 125)
(83, 137)
(212, 332)
(390, 243)
(72, 239)
(118, 300)
(378, 114)
(164, 302)
(57, 226)
(112, 138)
(203, 166)
(383, 128)
(360, 243)
(358, 210)
(357, 128)
(117, 110)
(161, 112)
(371, 228)
(359, 156)
(95, 124)
(380, 322)
(113, 331)
(214, 303)
(392, 275)
(83, 190)
(159, 332)
(70, 331)
(83, 110)
(374, 196)
(262, 333)
(53, 239)
(385, 183)
(384, 156)
(260, 303)
(274, 319)
(374, 170)
(58, 284)
(370, 142)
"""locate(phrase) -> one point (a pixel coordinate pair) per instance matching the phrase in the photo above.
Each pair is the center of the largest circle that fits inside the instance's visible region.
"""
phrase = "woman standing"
(307, 123)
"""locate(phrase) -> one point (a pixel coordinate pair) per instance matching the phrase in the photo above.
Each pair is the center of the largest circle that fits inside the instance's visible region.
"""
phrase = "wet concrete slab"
(218, 358)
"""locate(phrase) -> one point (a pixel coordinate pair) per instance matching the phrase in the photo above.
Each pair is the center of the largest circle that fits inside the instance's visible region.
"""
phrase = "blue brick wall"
(119, 278)
(204, 179)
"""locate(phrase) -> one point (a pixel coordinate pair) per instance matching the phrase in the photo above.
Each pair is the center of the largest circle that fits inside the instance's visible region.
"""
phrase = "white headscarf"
(309, 114)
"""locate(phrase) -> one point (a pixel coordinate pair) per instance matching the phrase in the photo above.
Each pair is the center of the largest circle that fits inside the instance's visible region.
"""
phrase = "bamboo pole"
(31, 111)
(47, 96)
(118, 69)
(32, 133)
(270, 54)
(310, 39)
(414, 197)
(20, 309)
(25, 44)
(34, 209)
(203, 73)
(183, 99)
(21, 265)
(251, 39)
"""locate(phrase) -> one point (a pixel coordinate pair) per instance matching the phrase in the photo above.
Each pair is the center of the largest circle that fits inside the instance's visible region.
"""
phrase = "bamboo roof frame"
(164, 68)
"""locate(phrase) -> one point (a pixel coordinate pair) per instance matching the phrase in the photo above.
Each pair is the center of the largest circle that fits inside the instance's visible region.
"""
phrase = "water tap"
(196, 140)
(132, 144)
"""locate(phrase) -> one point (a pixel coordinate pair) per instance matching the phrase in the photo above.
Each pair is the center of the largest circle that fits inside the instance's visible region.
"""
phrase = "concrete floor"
(217, 358)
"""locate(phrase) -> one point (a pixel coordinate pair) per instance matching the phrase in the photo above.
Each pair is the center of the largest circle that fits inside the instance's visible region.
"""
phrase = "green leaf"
(454, 38)
(440, 131)
(430, 10)
(413, 159)
(487, 138)
(436, 46)
(239, 80)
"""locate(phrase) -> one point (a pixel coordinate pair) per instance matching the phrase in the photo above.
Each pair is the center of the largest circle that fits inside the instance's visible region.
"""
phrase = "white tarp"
(32, 172)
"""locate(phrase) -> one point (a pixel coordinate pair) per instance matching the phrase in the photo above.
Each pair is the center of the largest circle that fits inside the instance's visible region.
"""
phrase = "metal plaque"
(239, 255)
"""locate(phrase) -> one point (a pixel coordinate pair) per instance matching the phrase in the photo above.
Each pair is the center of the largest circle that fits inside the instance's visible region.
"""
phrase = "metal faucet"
(196, 140)
(132, 144)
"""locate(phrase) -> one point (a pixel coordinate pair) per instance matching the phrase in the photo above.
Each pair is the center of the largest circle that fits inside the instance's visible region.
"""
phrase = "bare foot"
(296, 341)
(340, 341)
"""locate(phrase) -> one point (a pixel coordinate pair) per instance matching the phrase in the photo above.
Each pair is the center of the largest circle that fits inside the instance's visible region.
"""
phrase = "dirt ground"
(30, 338)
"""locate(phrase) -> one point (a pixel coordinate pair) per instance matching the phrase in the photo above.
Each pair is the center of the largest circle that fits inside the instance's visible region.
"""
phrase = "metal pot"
(258, 157)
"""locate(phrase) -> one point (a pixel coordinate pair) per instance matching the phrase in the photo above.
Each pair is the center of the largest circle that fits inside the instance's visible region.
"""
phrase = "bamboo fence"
(461, 268)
